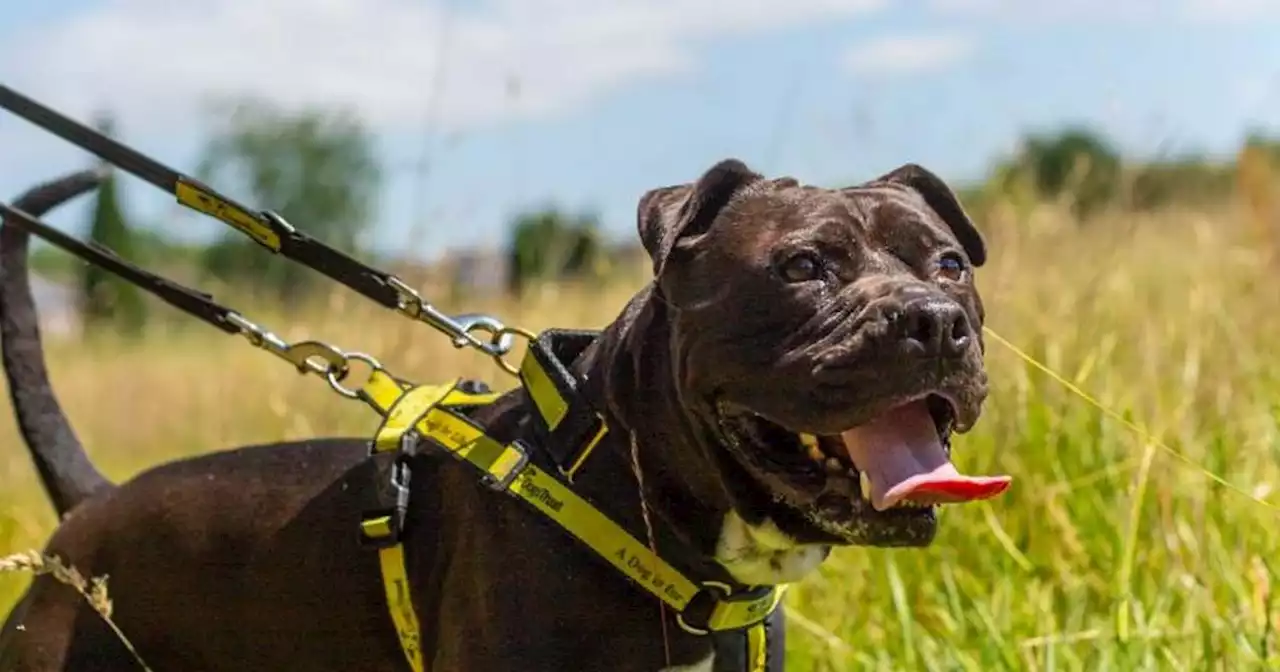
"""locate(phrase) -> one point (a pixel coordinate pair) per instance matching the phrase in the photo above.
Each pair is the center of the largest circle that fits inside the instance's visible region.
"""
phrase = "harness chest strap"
(432, 413)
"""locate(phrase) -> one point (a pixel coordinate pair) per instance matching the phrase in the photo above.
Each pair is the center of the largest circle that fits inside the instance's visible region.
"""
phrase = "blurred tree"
(1186, 181)
(550, 245)
(317, 169)
(105, 299)
(1075, 163)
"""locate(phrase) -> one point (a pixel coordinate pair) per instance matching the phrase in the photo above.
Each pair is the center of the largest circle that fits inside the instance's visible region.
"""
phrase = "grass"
(1108, 553)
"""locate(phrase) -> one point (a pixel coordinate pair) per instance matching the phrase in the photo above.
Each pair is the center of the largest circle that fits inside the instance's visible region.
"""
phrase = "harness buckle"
(384, 526)
(503, 483)
(754, 606)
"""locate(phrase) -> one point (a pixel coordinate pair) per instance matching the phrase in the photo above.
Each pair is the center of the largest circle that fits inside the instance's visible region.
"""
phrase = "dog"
(788, 382)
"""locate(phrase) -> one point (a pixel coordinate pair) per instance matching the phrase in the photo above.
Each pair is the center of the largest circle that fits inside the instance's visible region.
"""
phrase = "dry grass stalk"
(93, 590)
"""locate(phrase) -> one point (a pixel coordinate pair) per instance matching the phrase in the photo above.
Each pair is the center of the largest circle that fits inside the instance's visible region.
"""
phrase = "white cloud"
(156, 63)
(1231, 10)
(1103, 11)
(906, 54)
(1066, 10)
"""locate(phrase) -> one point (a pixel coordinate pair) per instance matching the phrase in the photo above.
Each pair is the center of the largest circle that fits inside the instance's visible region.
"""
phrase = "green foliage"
(549, 245)
(1186, 181)
(105, 299)
(317, 169)
(1075, 163)
(1081, 167)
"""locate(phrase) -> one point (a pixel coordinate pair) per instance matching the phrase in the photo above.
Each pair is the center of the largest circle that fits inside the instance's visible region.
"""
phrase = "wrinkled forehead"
(899, 219)
(874, 216)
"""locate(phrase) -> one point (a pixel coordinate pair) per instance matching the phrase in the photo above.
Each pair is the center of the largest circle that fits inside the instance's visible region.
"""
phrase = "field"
(1109, 553)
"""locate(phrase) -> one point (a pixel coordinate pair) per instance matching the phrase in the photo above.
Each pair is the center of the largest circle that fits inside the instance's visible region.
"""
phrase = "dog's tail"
(68, 476)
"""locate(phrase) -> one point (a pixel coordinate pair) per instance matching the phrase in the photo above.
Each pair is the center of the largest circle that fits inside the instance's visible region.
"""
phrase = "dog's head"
(826, 343)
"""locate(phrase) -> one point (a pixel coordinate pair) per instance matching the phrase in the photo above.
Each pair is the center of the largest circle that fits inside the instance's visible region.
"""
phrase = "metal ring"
(499, 342)
(689, 628)
(723, 589)
(510, 333)
(335, 381)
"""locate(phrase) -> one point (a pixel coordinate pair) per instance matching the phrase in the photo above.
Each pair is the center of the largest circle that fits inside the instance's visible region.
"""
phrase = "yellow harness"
(432, 413)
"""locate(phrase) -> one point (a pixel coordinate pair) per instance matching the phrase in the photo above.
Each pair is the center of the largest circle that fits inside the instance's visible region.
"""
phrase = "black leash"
(272, 232)
(315, 357)
(197, 304)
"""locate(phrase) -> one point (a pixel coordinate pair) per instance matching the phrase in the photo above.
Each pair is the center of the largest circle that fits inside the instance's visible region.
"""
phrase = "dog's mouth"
(877, 483)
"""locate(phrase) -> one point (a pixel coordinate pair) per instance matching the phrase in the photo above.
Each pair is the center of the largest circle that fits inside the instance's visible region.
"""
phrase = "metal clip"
(461, 329)
(314, 357)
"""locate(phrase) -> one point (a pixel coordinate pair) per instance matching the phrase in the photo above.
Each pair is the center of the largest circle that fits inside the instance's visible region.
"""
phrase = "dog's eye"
(951, 267)
(801, 267)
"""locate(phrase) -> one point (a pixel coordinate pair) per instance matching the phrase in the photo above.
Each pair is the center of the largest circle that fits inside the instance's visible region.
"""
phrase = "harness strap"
(570, 427)
(417, 416)
(759, 648)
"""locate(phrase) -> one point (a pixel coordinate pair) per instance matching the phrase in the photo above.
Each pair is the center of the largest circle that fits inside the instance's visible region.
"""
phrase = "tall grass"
(1108, 553)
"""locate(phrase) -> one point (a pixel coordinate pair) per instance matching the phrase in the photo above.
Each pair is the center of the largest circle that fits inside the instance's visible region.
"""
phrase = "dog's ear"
(668, 216)
(943, 201)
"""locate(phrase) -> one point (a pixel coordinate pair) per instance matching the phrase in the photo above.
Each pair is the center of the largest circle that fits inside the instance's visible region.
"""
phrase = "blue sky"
(614, 98)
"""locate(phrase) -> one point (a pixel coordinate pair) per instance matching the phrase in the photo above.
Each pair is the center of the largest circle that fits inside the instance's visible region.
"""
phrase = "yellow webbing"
(426, 409)
(740, 614)
(197, 198)
(757, 649)
(395, 579)
(401, 409)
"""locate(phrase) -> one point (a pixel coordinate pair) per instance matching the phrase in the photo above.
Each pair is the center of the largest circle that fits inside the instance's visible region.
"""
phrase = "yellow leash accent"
(199, 199)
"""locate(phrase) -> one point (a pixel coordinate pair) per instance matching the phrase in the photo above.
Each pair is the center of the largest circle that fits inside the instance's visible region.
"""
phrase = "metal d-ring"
(716, 586)
(335, 378)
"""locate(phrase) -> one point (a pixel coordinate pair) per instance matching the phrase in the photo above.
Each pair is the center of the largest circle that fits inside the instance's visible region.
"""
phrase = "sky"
(484, 109)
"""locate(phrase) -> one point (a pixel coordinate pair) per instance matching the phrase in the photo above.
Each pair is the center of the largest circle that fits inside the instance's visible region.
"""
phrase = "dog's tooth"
(864, 482)
(833, 465)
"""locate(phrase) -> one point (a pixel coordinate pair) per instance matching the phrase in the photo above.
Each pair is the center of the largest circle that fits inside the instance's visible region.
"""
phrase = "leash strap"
(270, 231)
(196, 304)
(759, 648)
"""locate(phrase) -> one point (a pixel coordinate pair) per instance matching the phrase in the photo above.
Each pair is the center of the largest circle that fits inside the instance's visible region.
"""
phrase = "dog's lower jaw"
(764, 555)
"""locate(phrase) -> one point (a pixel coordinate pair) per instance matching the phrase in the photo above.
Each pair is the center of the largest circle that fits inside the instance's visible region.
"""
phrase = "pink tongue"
(902, 457)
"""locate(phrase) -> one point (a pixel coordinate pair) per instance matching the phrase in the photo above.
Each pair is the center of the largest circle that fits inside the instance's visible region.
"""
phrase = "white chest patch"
(763, 555)
(704, 665)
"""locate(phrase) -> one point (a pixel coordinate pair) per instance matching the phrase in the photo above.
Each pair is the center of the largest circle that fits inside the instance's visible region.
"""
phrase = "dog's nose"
(933, 327)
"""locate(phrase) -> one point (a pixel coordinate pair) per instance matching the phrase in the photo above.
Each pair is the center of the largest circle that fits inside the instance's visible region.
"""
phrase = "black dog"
(788, 382)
